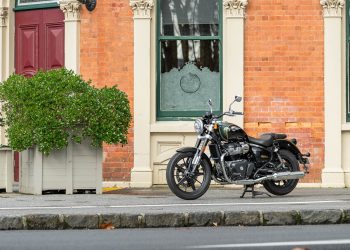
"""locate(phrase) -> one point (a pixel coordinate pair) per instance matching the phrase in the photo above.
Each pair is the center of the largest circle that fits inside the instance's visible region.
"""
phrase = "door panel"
(54, 44)
(53, 38)
(27, 49)
(39, 40)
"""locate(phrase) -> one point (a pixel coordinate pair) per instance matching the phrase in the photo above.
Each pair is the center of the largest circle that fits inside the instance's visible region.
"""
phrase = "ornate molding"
(3, 16)
(332, 8)
(71, 9)
(235, 8)
(142, 8)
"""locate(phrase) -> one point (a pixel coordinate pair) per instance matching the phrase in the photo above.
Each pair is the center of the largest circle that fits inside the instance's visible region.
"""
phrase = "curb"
(161, 220)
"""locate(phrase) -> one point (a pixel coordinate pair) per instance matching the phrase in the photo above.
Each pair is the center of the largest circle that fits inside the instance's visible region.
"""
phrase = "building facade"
(288, 59)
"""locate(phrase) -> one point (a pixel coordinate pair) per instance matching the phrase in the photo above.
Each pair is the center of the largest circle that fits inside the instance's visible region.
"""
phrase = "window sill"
(345, 127)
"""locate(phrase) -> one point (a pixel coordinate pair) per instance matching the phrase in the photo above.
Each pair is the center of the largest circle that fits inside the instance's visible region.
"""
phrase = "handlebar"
(232, 113)
(236, 113)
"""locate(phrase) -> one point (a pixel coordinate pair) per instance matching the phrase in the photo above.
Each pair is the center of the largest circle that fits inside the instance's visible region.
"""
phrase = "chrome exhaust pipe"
(274, 177)
(287, 175)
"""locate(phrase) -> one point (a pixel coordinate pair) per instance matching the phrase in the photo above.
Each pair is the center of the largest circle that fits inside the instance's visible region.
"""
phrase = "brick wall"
(284, 73)
(107, 59)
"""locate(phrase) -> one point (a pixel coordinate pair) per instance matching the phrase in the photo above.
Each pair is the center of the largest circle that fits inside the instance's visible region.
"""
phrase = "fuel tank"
(231, 132)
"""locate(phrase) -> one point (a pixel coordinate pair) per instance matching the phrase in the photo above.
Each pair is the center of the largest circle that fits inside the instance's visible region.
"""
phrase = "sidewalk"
(158, 207)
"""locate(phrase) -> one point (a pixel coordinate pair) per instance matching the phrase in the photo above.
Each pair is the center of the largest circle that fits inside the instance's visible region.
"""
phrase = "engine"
(236, 148)
(237, 167)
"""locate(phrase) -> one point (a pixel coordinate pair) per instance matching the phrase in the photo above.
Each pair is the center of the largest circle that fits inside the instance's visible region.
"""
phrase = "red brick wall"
(284, 73)
(106, 57)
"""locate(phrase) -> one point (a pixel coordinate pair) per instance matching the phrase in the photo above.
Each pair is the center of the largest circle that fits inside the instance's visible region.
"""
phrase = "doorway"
(39, 45)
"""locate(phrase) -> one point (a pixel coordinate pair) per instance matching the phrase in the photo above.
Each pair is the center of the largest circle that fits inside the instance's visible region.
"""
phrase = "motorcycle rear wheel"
(285, 186)
(187, 187)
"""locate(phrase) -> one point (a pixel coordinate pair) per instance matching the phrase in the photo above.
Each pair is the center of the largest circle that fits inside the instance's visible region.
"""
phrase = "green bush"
(55, 106)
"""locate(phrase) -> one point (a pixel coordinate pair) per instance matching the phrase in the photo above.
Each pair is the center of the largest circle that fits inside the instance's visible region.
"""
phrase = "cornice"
(71, 9)
(332, 8)
(142, 8)
(235, 8)
(3, 16)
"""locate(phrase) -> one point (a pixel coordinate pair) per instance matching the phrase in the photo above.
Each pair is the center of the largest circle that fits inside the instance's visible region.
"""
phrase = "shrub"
(56, 106)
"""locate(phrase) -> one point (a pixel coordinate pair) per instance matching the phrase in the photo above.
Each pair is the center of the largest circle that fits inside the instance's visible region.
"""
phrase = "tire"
(285, 186)
(187, 188)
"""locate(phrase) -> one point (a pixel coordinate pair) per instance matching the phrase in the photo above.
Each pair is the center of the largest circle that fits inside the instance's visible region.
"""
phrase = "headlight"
(198, 126)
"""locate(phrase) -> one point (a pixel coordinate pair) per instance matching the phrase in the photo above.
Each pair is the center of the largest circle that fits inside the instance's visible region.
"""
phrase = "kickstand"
(250, 189)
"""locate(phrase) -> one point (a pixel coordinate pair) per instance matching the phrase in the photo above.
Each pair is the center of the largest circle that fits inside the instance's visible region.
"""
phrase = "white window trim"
(36, 3)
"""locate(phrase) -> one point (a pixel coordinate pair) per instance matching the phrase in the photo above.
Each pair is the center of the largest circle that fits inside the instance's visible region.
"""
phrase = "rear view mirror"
(238, 98)
(210, 103)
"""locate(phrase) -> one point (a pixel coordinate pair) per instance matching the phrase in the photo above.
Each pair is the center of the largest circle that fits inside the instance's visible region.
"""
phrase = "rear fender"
(288, 145)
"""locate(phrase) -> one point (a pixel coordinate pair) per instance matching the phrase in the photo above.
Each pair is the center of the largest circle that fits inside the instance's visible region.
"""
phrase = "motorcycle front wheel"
(185, 185)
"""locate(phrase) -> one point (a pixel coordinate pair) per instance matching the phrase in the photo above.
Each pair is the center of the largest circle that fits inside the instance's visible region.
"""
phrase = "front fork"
(201, 145)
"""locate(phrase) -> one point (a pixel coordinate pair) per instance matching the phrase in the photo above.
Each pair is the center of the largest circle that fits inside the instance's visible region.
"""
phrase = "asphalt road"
(312, 237)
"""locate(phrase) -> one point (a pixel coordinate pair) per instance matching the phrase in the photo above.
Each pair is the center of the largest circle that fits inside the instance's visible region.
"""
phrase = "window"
(189, 58)
(35, 4)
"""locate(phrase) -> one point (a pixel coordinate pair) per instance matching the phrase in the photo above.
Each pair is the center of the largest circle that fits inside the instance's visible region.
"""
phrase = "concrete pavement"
(158, 207)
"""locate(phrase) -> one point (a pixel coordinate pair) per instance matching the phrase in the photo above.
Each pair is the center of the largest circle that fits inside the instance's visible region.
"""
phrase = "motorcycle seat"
(276, 136)
(265, 140)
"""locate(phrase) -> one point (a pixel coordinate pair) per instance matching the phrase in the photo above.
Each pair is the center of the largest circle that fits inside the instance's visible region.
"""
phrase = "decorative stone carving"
(142, 8)
(332, 8)
(3, 15)
(71, 9)
(235, 8)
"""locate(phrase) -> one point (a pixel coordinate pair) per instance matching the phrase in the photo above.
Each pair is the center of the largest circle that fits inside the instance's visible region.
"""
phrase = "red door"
(39, 44)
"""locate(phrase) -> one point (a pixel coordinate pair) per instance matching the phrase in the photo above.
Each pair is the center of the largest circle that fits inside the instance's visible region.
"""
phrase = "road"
(313, 237)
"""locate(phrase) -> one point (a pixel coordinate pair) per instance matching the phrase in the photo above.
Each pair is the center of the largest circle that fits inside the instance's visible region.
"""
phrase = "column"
(233, 55)
(3, 51)
(3, 43)
(141, 174)
(7, 156)
(71, 10)
(332, 174)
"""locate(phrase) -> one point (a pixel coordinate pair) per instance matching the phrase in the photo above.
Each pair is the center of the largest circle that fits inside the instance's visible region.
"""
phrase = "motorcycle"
(235, 158)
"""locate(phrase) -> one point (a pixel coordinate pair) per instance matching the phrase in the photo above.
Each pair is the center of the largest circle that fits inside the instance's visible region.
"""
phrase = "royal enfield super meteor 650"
(235, 158)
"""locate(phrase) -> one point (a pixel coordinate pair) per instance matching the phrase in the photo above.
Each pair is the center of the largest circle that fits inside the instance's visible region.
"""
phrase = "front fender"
(194, 150)
(187, 150)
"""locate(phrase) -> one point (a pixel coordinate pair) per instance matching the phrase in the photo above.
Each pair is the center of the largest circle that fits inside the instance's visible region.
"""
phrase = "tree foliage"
(53, 107)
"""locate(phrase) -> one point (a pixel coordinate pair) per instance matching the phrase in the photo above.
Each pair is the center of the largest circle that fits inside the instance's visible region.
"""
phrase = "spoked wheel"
(183, 183)
(284, 186)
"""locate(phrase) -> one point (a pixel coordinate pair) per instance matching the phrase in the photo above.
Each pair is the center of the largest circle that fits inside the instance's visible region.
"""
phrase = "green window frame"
(347, 61)
(184, 115)
(35, 4)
